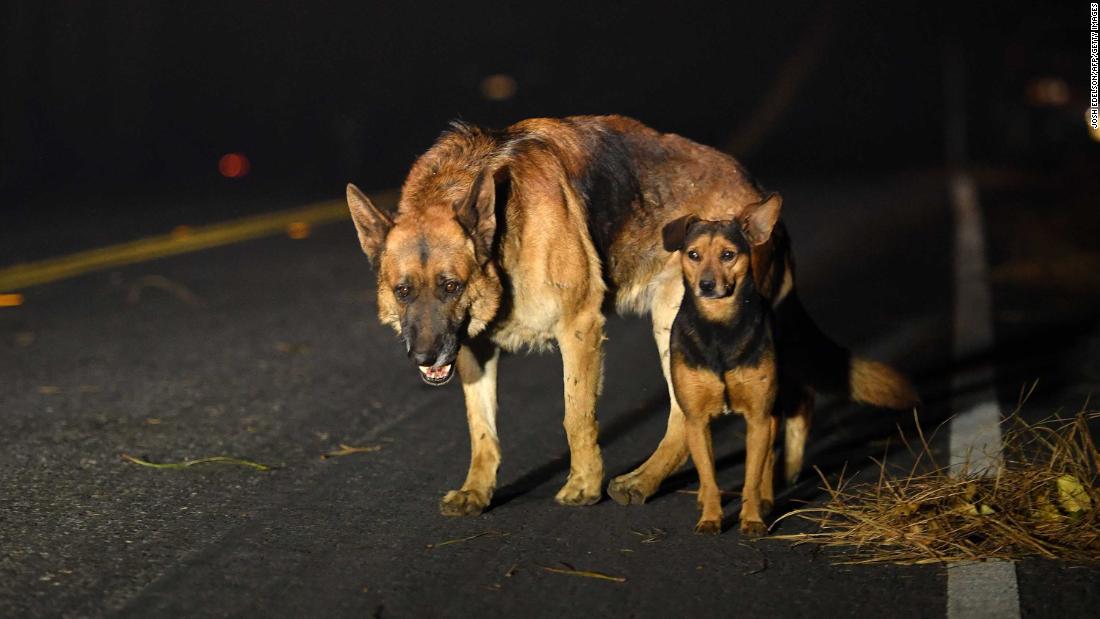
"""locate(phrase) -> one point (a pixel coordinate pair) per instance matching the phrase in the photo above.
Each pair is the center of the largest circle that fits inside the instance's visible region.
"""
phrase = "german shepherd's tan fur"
(514, 239)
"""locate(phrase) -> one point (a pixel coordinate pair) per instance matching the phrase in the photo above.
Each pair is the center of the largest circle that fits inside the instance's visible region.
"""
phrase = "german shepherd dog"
(514, 239)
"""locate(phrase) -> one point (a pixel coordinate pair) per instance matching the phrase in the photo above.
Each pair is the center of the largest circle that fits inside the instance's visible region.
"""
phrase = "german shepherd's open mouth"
(437, 375)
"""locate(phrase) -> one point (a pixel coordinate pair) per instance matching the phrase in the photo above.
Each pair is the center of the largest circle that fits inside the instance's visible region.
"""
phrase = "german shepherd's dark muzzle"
(436, 284)
(431, 341)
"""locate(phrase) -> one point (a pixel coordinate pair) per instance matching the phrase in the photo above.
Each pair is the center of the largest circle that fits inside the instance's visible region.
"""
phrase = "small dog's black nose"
(706, 285)
(423, 358)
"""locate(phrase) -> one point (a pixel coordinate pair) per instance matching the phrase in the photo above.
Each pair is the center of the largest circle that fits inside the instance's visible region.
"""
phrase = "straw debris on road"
(1041, 503)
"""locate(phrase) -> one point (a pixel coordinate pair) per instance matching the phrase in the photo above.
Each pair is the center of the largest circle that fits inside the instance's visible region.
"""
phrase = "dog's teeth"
(436, 373)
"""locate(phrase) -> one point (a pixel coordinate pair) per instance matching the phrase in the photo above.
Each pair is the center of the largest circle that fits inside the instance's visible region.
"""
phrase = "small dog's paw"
(462, 503)
(628, 490)
(753, 528)
(708, 527)
(579, 492)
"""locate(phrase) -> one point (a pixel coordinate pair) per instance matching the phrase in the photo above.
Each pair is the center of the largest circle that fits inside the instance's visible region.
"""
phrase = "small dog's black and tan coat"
(742, 342)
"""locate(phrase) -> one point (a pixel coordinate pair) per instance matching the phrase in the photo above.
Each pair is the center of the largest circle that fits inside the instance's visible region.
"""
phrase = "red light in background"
(234, 165)
(297, 230)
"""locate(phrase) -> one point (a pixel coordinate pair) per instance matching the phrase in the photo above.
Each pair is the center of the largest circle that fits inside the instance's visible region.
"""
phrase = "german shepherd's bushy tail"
(828, 367)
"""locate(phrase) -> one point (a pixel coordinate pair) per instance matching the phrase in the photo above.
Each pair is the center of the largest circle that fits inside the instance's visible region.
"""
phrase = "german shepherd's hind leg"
(797, 429)
(477, 367)
(581, 343)
(635, 487)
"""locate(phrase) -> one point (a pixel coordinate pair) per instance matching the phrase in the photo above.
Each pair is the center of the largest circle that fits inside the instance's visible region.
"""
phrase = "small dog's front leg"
(759, 438)
(702, 455)
(701, 394)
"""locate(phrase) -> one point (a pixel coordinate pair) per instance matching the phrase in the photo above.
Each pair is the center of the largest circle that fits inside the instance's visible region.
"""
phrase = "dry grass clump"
(1043, 502)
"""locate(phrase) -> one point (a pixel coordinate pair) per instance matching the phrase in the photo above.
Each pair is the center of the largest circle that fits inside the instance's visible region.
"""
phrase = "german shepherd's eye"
(726, 256)
(694, 255)
(451, 286)
(402, 291)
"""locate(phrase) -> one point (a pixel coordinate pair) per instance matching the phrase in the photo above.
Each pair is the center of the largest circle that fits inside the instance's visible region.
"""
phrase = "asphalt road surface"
(270, 350)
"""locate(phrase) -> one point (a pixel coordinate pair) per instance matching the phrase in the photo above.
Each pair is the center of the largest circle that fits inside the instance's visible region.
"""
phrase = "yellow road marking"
(11, 300)
(180, 241)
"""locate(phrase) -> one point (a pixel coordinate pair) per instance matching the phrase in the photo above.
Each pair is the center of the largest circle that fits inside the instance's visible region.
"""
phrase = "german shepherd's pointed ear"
(371, 224)
(675, 231)
(759, 219)
(477, 213)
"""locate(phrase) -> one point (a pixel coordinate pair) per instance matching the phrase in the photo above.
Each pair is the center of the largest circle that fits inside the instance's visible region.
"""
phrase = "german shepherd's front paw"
(629, 490)
(463, 503)
(579, 491)
(753, 528)
(708, 527)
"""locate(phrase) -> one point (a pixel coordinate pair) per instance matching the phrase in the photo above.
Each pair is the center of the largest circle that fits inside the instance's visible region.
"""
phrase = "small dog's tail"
(828, 367)
(877, 384)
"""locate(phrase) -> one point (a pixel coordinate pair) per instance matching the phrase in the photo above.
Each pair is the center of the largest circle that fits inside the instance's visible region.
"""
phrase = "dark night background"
(142, 98)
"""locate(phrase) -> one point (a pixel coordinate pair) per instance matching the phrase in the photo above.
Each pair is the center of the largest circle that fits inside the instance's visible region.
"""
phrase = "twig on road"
(189, 463)
(176, 289)
(763, 560)
(465, 539)
(347, 450)
(570, 571)
(650, 536)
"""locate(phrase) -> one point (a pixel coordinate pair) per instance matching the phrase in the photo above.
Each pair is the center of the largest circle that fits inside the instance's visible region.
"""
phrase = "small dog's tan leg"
(702, 394)
(581, 345)
(797, 430)
(702, 455)
(767, 488)
(752, 391)
(478, 371)
(638, 485)
(758, 439)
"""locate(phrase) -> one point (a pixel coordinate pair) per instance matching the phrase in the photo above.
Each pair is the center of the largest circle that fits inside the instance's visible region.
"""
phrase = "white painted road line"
(986, 589)
(976, 429)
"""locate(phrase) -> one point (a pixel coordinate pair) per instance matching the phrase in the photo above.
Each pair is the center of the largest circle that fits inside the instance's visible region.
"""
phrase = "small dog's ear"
(759, 219)
(371, 224)
(477, 213)
(675, 231)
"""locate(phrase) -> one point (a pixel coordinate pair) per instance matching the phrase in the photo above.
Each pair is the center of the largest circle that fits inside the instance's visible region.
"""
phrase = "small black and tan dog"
(742, 342)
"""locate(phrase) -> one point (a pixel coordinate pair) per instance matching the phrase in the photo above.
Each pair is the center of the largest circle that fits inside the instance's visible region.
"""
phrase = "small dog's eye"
(402, 290)
(451, 287)
(694, 255)
(727, 256)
